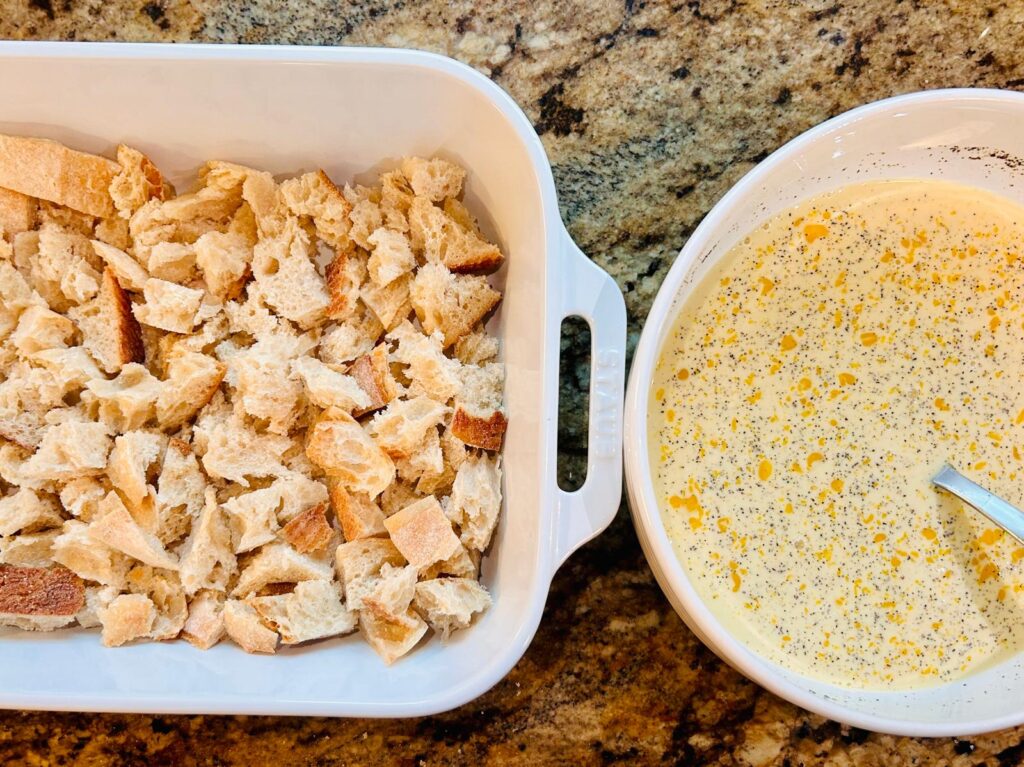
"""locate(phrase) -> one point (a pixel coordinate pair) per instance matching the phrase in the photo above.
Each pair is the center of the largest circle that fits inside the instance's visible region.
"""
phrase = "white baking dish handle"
(590, 293)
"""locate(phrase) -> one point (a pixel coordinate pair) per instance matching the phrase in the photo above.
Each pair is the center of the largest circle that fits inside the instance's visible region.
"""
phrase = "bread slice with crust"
(191, 380)
(478, 419)
(39, 599)
(129, 462)
(51, 171)
(17, 213)
(359, 563)
(442, 240)
(109, 329)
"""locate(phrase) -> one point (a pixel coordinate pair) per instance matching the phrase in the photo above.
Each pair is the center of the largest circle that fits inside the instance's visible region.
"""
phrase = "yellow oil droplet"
(805, 383)
(814, 458)
(837, 485)
(788, 508)
(990, 536)
(683, 374)
(796, 467)
(1020, 417)
(814, 231)
(764, 470)
(788, 343)
(675, 502)
(670, 415)
(753, 398)
(659, 394)
(879, 537)
(940, 403)
(766, 285)
(847, 379)
(723, 524)
(868, 338)
(994, 323)
(930, 534)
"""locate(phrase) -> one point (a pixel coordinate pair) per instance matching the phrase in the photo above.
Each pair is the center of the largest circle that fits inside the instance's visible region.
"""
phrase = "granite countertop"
(649, 112)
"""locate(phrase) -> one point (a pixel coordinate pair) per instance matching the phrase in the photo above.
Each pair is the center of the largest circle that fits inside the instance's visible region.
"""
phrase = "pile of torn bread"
(266, 410)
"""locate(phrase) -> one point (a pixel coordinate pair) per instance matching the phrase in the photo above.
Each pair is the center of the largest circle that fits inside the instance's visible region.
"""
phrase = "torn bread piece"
(163, 588)
(434, 179)
(204, 626)
(137, 182)
(315, 195)
(442, 240)
(309, 531)
(243, 626)
(69, 450)
(422, 533)
(39, 599)
(172, 261)
(449, 604)
(130, 273)
(476, 500)
(373, 374)
(314, 610)
(128, 401)
(392, 592)
(450, 303)
(169, 306)
(339, 445)
(392, 256)
(29, 549)
(284, 269)
(344, 276)
(181, 491)
(207, 561)
(88, 558)
(400, 428)
(116, 528)
(431, 373)
(265, 388)
(476, 348)
(51, 171)
(392, 637)
(357, 514)
(126, 618)
(391, 304)
(279, 563)
(129, 463)
(191, 380)
(27, 511)
(40, 329)
(96, 598)
(109, 329)
(478, 419)
(235, 452)
(359, 564)
(326, 387)
(224, 259)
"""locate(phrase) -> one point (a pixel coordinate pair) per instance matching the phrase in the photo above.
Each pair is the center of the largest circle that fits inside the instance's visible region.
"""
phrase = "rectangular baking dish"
(351, 111)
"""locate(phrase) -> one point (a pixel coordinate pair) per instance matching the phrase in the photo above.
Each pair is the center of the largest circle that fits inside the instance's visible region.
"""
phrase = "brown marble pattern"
(649, 111)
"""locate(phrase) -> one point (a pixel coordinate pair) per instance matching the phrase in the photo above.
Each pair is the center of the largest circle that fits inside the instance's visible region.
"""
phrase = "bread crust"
(478, 431)
(40, 591)
(51, 171)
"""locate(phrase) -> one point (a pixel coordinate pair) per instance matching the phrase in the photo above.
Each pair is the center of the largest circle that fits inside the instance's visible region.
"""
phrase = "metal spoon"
(1006, 515)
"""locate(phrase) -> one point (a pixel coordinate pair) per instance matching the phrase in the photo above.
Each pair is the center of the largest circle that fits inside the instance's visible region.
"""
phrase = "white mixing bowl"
(974, 137)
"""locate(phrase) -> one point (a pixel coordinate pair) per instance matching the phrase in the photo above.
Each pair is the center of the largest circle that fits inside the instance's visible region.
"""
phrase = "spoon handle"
(1007, 516)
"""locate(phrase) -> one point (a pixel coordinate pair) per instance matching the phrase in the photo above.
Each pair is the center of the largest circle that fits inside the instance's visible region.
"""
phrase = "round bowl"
(968, 136)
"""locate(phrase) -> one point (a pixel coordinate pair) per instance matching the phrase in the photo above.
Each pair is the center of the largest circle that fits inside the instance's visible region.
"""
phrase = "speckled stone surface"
(649, 112)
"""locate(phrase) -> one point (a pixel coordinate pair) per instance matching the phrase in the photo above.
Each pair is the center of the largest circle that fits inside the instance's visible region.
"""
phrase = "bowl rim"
(640, 490)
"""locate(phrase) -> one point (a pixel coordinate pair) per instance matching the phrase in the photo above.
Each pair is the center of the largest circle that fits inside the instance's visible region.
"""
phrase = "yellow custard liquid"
(833, 361)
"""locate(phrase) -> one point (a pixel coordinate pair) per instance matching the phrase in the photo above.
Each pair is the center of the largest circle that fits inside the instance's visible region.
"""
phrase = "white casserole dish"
(349, 111)
(968, 136)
